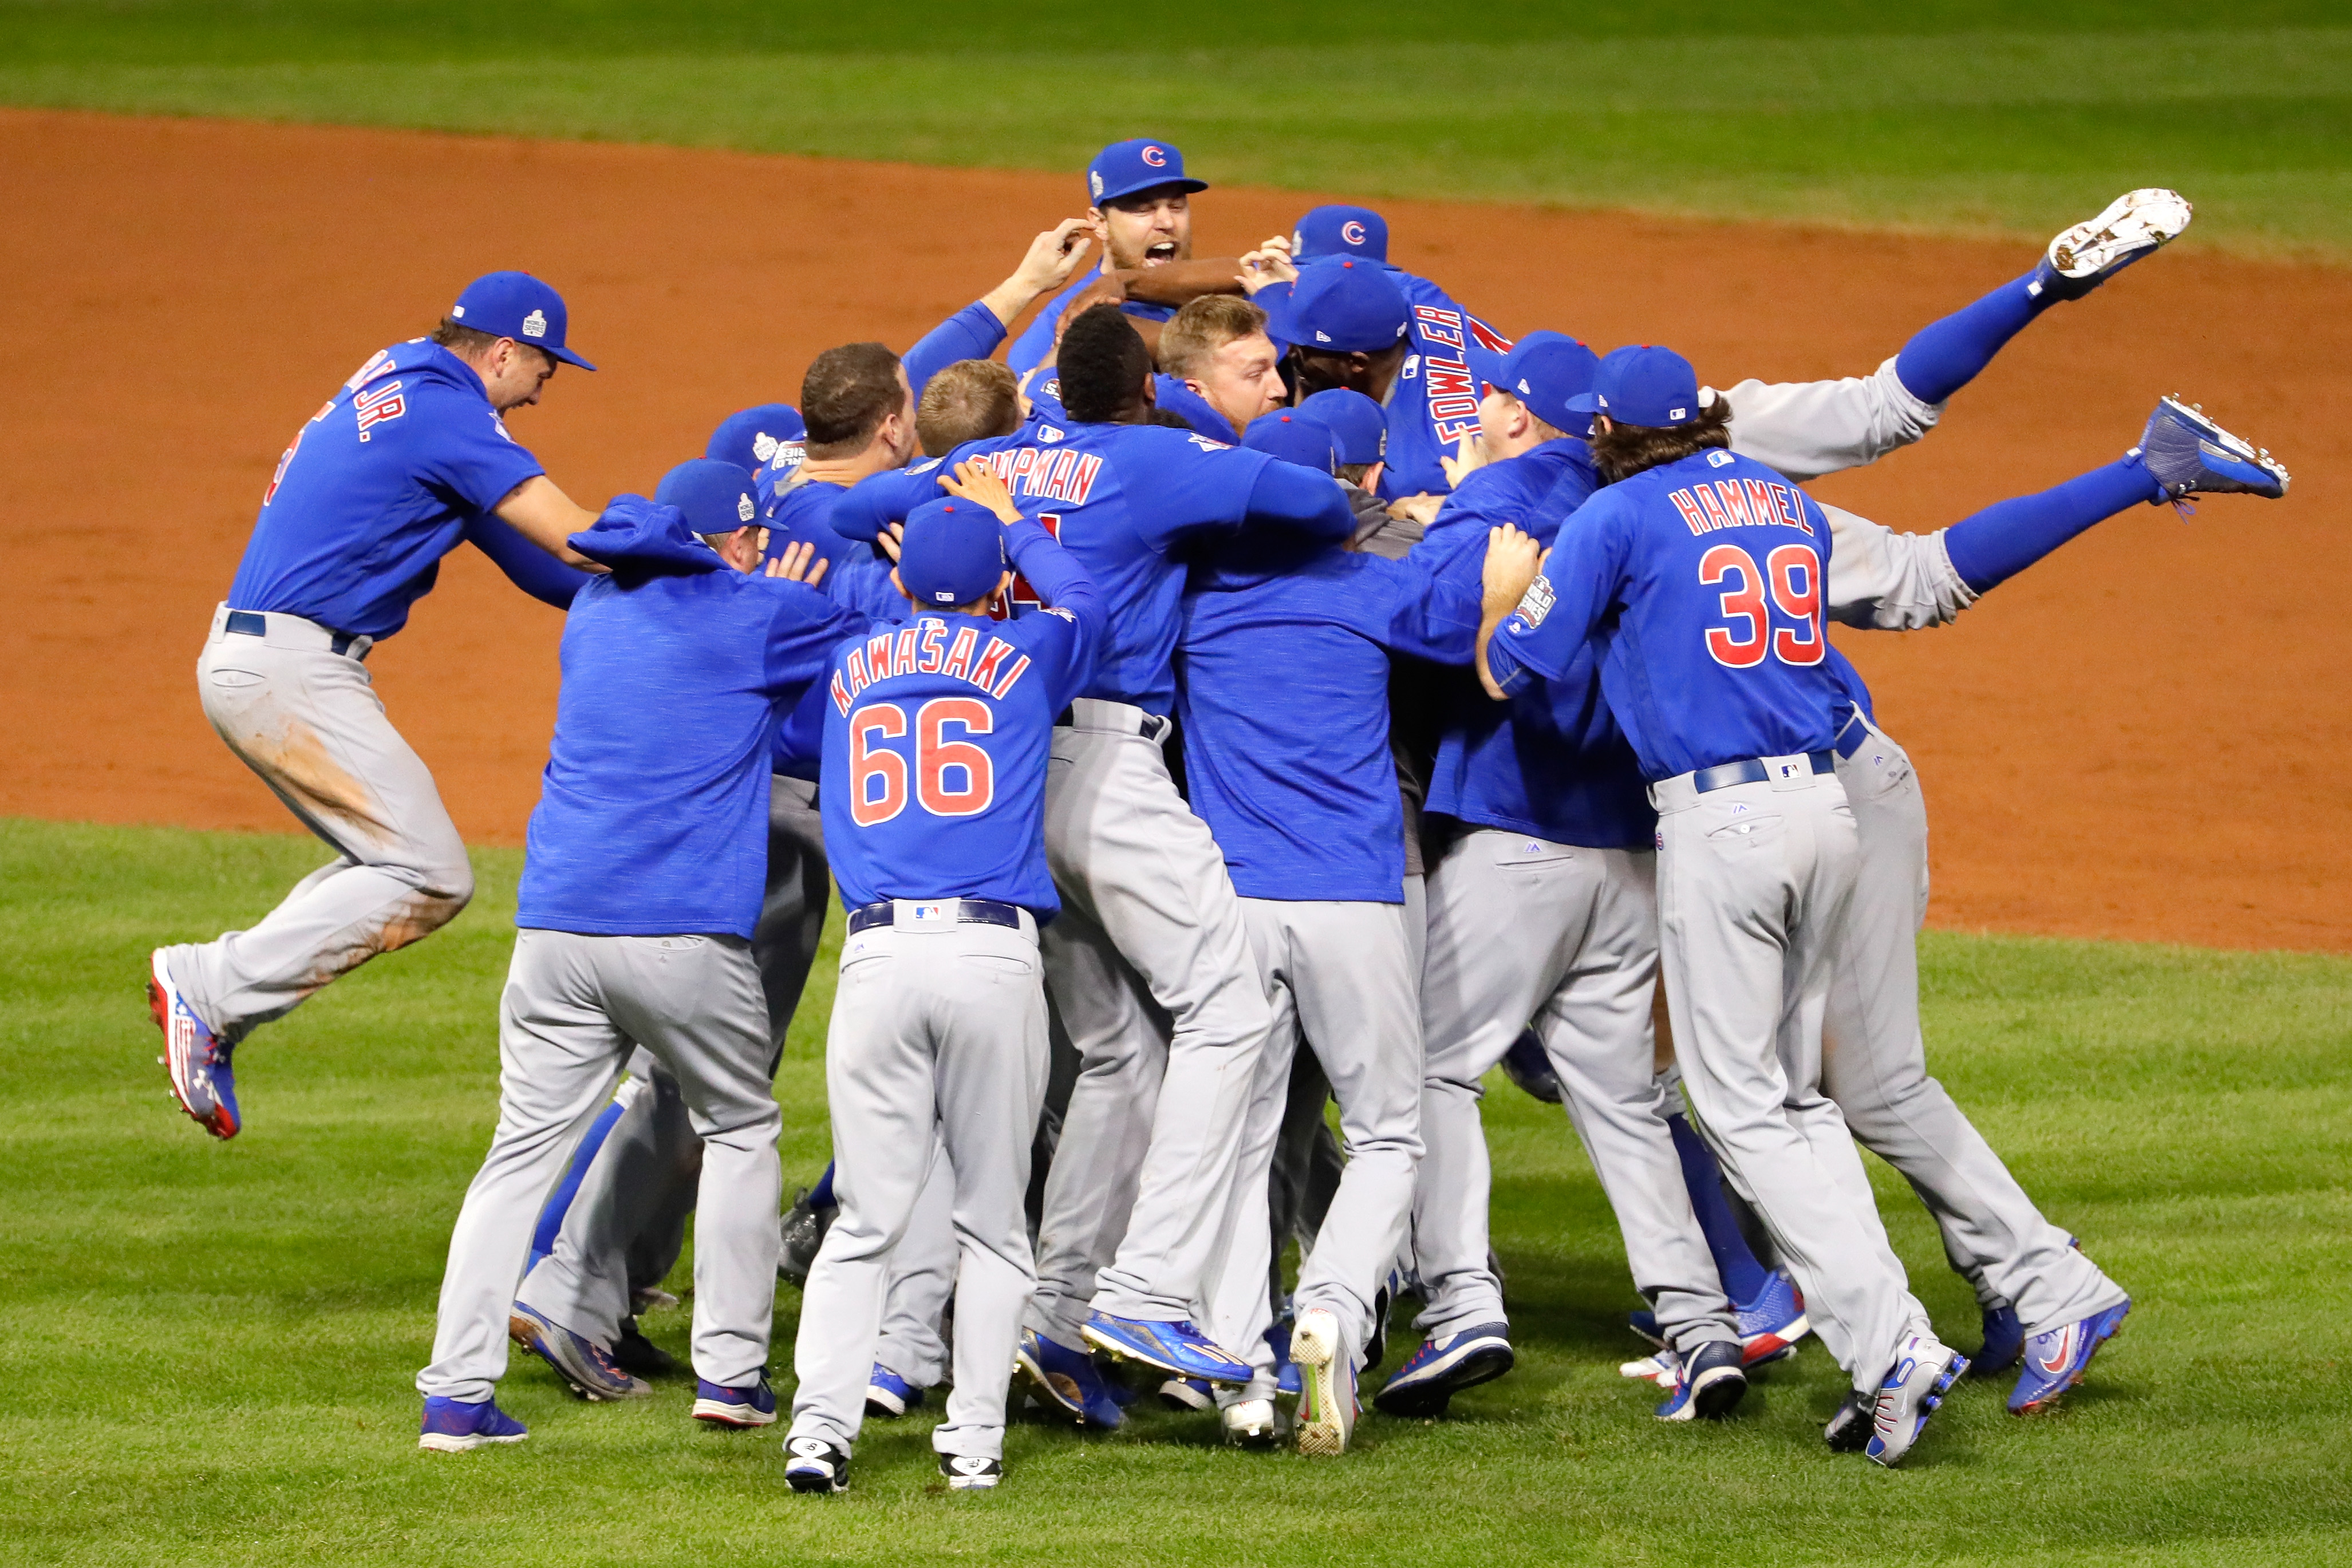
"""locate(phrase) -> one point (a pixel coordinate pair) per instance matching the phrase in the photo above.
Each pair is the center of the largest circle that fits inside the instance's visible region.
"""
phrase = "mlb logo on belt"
(929, 914)
(1788, 769)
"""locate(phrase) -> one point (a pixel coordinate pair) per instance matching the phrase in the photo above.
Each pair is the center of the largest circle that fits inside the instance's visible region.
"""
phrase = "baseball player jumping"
(409, 458)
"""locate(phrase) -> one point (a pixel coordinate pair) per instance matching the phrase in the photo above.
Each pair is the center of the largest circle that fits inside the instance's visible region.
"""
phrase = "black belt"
(1725, 775)
(253, 623)
(974, 912)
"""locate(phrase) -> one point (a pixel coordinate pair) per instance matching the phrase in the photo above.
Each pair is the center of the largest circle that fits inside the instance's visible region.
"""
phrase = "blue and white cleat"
(724, 1406)
(1327, 1382)
(1442, 1368)
(1176, 1348)
(2055, 1359)
(2190, 454)
(889, 1395)
(1711, 1383)
(1070, 1379)
(814, 1465)
(1771, 1324)
(1922, 1374)
(2135, 227)
(2004, 1342)
(1190, 1396)
(585, 1366)
(454, 1426)
(202, 1080)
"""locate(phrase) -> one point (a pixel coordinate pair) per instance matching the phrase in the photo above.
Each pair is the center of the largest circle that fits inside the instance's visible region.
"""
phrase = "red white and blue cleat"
(723, 1406)
(1711, 1384)
(1923, 1373)
(2184, 451)
(454, 1426)
(1176, 1348)
(1771, 1324)
(889, 1395)
(1444, 1367)
(2055, 1359)
(201, 1080)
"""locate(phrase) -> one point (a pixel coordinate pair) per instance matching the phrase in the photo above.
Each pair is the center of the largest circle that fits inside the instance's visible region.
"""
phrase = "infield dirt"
(2147, 736)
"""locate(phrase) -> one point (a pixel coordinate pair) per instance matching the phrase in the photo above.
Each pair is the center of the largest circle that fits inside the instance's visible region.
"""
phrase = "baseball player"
(1149, 965)
(635, 913)
(937, 734)
(1295, 780)
(1216, 350)
(412, 455)
(1140, 206)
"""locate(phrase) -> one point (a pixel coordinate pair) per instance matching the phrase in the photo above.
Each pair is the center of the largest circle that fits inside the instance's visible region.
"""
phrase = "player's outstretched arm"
(527, 565)
(1053, 259)
(540, 511)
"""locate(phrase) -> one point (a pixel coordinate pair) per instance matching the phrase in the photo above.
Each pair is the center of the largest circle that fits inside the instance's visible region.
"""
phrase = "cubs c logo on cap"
(535, 324)
(1352, 232)
(1154, 158)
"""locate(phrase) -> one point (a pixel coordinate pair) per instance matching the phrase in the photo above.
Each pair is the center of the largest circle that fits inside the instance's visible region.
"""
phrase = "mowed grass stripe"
(2010, 133)
(206, 1351)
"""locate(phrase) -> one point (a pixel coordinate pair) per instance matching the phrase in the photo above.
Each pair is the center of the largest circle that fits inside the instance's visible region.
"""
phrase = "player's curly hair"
(847, 394)
(1103, 365)
(1624, 450)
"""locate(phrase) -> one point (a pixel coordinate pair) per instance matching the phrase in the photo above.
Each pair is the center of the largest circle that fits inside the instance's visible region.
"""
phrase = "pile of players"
(1271, 687)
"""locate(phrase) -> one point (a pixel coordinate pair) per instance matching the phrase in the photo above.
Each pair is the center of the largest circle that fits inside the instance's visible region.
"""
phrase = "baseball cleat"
(636, 1354)
(804, 1226)
(2004, 1342)
(1177, 1348)
(1442, 1368)
(1068, 1379)
(1253, 1424)
(1189, 1395)
(1922, 1374)
(198, 1063)
(724, 1406)
(1376, 1347)
(582, 1364)
(2081, 258)
(1645, 1323)
(2188, 454)
(1849, 1430)
(1326, 1383)
(1771, 1324)
(889, 1395)
(1663, 1367)
(454, 1426)
(650, 1299)
(1711, 1384)
(814, 1465)
(2056, 1359)
(1526, 1065)
(972, 1472)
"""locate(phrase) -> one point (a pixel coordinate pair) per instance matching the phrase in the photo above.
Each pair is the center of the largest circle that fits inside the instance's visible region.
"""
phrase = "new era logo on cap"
(1322, 336)
(535, 324)
(458, 312)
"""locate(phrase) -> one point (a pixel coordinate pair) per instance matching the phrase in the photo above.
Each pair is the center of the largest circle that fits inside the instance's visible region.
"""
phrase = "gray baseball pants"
(1753, 883)
(1807, 429)
(1341, 974)
(1523, 929)
(1151, 974)
(573, 1009)
(308, 722)
(938, 1044)
(1874, 1064)
(921, 1281)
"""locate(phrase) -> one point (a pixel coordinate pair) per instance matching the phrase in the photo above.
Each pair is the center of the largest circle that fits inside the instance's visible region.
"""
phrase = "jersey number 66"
(951, 778)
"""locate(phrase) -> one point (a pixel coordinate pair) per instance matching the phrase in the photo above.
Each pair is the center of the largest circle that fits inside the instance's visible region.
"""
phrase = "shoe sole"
(1184, 1401)
(887, 1406)
(1061, 1393)
(1122, 1350)
(815, 1481)
(1322, 1418)
(461, 1443)
(1952, 1373)
(718, 1413)
(974, 1483)
(1255, 1435)
(526, 1333)
(160, 998)
(1718, 1393)
(2052, 1398)
(1418, 1400)
(2128, 231)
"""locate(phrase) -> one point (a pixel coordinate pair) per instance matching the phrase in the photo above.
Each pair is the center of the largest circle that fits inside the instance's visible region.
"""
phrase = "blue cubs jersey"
(1850, 687)
(855, 575)
(1168, 395)
(1550, 761)
(1434, 404)
(1282, 683)
(1036, 339)
(375, 490)
(1702, 581)
(652, 814)
(1123, 498)
(935, 736)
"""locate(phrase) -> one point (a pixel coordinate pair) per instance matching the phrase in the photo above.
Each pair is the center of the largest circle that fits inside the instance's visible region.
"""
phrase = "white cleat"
(1326, 1383)
(2138, 224)
(1253, 1424)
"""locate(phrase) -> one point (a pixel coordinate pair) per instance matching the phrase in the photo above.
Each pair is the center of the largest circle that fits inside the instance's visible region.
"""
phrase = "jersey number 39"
(1792, 580)
(950, 777)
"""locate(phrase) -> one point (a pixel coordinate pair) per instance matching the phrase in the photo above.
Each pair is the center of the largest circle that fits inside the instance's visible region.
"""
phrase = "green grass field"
(206, 1350)
(2003, 117)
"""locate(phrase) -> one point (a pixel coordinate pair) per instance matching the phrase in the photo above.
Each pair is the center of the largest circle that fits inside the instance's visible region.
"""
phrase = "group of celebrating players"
(1268, 687)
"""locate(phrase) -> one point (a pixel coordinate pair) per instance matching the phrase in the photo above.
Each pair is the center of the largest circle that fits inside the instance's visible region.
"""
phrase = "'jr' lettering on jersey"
(924, 649)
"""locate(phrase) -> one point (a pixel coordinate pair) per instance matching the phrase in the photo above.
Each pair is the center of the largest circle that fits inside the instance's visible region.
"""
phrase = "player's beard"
(1123, 262)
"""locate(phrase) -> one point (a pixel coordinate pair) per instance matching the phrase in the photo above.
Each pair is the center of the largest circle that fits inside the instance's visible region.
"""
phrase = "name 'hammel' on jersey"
(1716, 503)
(923, 649)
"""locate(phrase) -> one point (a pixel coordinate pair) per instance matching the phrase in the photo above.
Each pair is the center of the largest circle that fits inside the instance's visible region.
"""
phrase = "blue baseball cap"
(953, 552)
(516, 305)
(1359, 424)
(1294, 436)
(715, 497)
(1124, 168)
(1341, 306)
(1546, 371)
(749, 438)
(1643, 385)
(1340, 231)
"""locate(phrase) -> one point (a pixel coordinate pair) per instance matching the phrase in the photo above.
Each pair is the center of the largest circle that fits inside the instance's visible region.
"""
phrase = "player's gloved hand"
(979, 484)
(793, 565)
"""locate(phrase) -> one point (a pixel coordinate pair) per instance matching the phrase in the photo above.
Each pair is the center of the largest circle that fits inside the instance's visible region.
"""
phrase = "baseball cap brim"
(1186, 186)
(1585, 403)
(566, 355)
